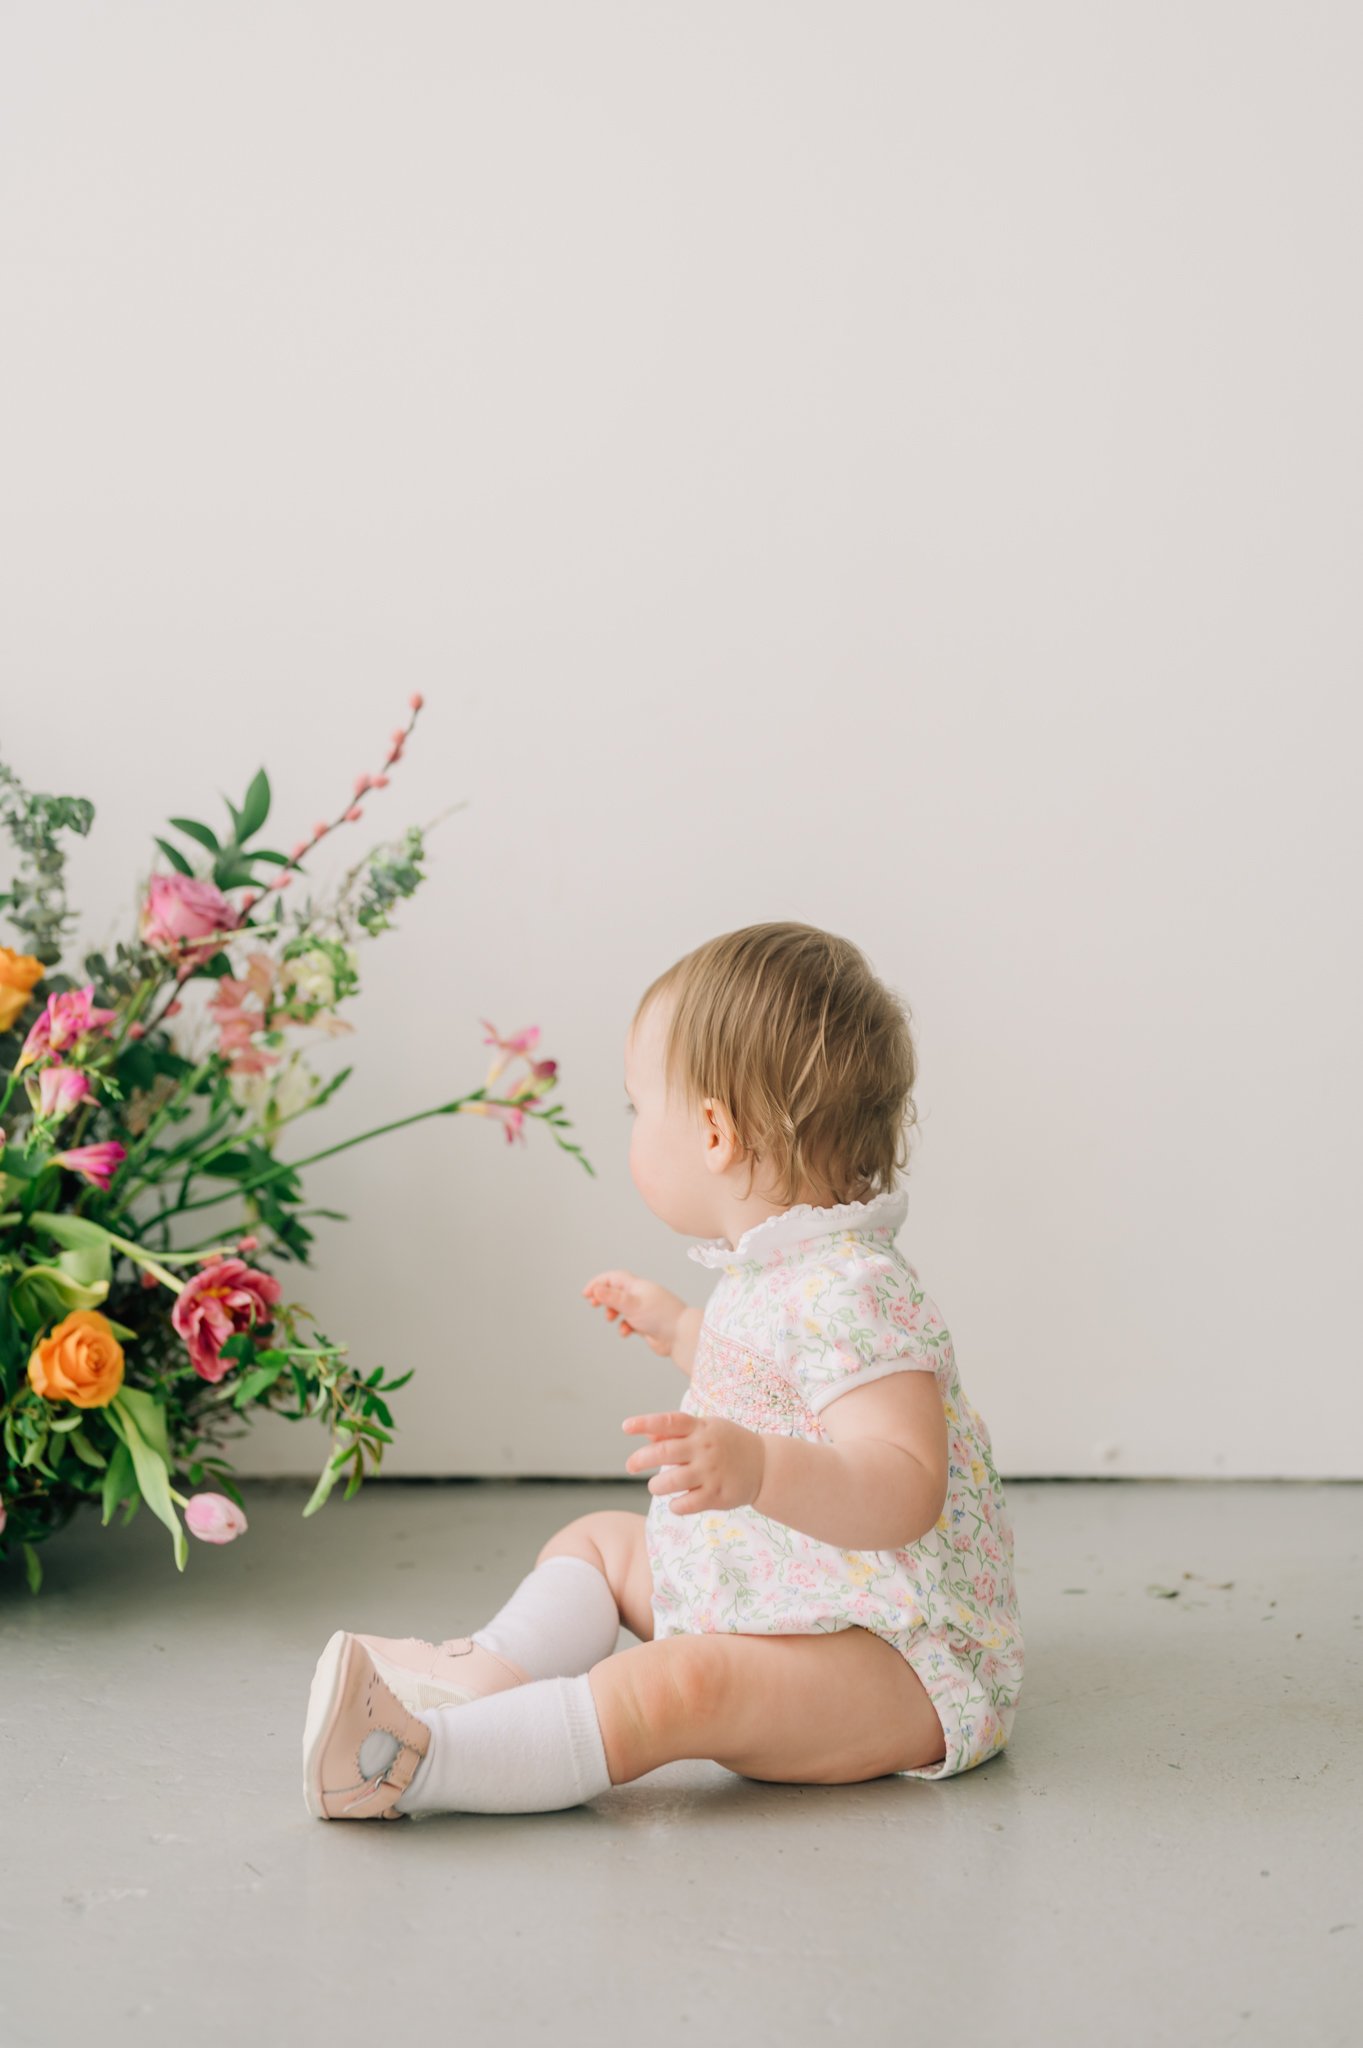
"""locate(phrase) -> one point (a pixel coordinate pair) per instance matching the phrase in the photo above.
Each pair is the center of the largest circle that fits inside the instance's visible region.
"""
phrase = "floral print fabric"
(810, 1304)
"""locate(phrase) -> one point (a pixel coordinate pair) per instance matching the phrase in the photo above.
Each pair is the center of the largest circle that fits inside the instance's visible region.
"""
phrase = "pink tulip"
(67, 1015)
(3, 1518)
(213, 1518)
(60, 1089)
(98, 1163)
(223, 1298)
(179, 911)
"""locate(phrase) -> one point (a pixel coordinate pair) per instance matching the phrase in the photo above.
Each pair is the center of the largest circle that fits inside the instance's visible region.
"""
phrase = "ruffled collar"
(777, 1234)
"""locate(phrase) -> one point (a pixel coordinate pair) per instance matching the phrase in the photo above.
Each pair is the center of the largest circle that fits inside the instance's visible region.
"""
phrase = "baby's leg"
(800, 1709)
(613, 1540)
(565, 1615)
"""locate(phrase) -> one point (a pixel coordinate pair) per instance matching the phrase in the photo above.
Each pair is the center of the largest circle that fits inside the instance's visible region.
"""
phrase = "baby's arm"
(654, 1313)
(880, 1484)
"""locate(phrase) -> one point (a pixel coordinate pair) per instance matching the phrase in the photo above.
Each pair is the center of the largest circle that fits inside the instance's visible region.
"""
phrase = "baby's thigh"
(826, 1709)
(613, 1540)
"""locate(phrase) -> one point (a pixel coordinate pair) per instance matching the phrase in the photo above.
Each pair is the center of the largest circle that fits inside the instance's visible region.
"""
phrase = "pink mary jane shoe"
(427, 1675)
(361, 1746)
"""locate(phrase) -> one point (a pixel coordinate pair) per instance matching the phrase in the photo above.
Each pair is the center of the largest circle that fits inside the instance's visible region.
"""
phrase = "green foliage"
(36, 901)
(193, 1141)
(392, 876)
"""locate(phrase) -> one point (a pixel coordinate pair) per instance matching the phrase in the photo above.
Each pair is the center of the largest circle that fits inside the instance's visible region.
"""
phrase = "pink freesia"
(213, 1518)
(221, 1299)
(178, 913)
(99, 1163)
(520, 1041)
(67, 1015)
(60, 1089)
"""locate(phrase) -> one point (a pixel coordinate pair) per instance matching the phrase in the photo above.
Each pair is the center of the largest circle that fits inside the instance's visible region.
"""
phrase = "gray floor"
(1168, 1851)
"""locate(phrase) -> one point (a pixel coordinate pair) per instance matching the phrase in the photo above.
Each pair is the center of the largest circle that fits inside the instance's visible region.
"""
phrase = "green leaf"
(33, 1568)
(122, 1330)
(118, 1481)
(256, 1382)
(255, 808)
(149, 1416)
(69, 1423)
(153, 1479)
(280, 859)
(393, 1385)
(195, 830)
(88, 1264)
(73, 1231)
(330, 1474)
(44, 1294)
(86, 1451)
(174, 856)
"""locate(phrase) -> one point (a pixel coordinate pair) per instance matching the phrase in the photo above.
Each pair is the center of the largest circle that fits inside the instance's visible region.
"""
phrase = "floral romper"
(815, 1302)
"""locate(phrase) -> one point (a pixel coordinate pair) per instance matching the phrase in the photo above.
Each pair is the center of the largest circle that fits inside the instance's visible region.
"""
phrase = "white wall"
(889, 466)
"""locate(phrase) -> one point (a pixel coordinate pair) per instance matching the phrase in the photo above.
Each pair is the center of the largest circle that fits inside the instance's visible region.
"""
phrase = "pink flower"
(221, 1299)
(3, 1518)
(67, 1015)
(238, 1025)
(214, 1519)
(178, 913)
(799, 1574)
(99, 1163)
(60, 1089)
(521, 1041)
(984, 1588)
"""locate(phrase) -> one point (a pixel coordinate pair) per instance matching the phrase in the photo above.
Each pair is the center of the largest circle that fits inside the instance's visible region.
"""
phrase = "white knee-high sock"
(529, 1749)
(561, 1619)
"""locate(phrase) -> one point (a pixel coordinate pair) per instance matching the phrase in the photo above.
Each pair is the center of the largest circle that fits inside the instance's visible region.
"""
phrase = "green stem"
(296, 1165)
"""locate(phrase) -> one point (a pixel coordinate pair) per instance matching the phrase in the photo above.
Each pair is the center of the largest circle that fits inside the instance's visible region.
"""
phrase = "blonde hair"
(811, 1055)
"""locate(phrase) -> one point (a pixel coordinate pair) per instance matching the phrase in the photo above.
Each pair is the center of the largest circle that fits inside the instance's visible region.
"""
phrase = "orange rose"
(81, 1361)
(18, 974)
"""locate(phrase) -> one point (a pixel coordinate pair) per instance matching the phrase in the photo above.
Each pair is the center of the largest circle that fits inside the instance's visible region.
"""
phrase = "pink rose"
(223, 1298)
(179, 910)
(214, 1519)
(984, 1588)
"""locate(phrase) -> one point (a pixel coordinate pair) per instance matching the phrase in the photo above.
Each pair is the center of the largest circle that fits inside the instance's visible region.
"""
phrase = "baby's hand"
(644, 1308)
(711, 1462)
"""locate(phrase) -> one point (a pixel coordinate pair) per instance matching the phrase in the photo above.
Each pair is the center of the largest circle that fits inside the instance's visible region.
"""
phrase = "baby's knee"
(594, 1536)
(682, 1682)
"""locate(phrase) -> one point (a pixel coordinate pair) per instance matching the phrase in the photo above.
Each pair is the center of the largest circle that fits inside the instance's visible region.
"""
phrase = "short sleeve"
(844, 1325)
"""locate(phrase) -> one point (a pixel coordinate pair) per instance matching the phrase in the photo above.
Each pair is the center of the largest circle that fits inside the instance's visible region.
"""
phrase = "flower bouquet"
(128, 1348)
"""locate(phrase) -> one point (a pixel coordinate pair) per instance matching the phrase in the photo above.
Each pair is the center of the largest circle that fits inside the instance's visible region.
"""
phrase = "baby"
(822, 1587)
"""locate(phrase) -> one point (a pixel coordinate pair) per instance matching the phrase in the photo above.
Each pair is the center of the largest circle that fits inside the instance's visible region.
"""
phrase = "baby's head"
(767, 1068)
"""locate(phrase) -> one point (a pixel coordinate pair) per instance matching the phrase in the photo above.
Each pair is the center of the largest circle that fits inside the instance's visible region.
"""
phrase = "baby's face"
(677, 1157)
